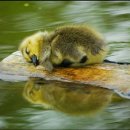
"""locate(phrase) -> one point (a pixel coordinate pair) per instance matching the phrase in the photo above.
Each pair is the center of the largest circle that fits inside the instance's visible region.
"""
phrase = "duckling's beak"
(34, 59)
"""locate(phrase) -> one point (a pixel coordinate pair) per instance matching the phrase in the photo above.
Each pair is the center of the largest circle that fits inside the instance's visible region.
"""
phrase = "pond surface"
(41, 105)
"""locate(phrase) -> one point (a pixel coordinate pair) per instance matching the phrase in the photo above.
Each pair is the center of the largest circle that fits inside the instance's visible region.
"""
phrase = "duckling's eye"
(27, 51)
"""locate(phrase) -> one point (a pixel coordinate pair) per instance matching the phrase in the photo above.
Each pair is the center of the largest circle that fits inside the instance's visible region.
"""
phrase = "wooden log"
(107, 75)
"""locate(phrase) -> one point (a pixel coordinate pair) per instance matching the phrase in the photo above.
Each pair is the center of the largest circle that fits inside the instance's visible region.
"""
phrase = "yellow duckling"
(71, 45)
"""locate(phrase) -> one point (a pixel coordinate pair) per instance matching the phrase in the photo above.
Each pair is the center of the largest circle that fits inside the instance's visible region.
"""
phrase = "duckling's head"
(32, 46)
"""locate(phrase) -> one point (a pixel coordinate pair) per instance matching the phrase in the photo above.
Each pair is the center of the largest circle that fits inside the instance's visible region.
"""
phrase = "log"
(106, 75)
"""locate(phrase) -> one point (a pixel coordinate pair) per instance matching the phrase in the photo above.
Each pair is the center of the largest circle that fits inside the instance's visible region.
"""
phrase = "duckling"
(34, 47)
(71, 45)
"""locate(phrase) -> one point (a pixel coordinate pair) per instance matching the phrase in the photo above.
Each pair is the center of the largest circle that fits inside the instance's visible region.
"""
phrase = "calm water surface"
(30, 104)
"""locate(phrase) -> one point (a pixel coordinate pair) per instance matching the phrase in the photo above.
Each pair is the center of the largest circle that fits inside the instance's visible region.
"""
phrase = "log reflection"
(71, 98)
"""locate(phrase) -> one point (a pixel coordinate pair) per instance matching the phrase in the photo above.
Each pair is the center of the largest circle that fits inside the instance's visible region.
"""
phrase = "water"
(21, 105)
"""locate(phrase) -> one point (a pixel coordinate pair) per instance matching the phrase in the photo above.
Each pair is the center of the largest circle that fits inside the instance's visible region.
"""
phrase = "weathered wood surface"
(111, 76)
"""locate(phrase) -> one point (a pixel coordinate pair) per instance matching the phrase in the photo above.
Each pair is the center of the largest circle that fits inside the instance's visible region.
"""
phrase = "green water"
(17, 110)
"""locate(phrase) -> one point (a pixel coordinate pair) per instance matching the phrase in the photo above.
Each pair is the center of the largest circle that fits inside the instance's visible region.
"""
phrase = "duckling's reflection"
(71, 98)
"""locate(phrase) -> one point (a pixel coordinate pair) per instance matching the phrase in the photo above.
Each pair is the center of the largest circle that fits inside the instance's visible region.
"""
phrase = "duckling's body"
(77, 45)
(72, 45)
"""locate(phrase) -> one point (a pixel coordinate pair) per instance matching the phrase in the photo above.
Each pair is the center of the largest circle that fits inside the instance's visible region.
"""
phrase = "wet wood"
(111, 76)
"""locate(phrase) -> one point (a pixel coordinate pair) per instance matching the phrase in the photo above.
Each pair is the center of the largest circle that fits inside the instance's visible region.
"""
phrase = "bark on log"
(107, 75)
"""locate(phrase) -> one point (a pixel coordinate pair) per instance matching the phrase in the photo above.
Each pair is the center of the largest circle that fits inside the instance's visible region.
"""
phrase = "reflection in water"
(111, 18)
(71, 98)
